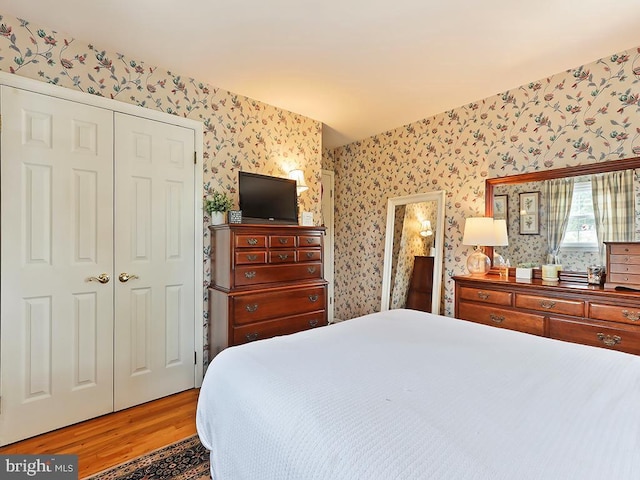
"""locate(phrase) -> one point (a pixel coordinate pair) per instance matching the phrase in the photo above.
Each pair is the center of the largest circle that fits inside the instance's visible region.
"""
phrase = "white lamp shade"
(500, 230)
(425, 229)
(298, 176)
(478, 231)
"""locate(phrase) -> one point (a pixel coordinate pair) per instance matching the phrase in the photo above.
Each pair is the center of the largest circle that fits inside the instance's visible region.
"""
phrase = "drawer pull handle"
(250, 274)
(313, 298)
(252, 336)
(633, 316)
(252, 241)
(309, 254)
(313, 323)
(609, 340)
(548, 304)
(496, 318)
(310, 241)
(252, 258)
(283, 256)
(283, 241)
(252, 308)
(311, 269)
(483, 295)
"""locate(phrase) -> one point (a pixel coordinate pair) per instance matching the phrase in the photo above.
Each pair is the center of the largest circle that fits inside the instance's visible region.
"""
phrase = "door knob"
(125, 277)
(102, 278)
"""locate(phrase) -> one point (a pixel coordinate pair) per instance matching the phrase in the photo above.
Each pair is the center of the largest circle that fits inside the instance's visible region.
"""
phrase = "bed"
(402, 394)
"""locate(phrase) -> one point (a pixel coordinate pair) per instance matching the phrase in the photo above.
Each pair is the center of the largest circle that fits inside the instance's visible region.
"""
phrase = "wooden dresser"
(578, 313)
(266, 280)
(420, 291)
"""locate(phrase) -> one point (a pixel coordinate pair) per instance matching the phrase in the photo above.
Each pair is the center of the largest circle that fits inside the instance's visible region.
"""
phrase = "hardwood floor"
(106, 441)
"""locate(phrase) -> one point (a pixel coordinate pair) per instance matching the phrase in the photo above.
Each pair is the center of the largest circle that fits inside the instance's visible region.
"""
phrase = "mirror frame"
(438, 260)
(576, 171)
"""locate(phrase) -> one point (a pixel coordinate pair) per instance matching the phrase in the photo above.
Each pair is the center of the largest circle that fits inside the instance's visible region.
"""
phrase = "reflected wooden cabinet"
(420, 293)
(267, 280)
(578, 313)
(623, 264)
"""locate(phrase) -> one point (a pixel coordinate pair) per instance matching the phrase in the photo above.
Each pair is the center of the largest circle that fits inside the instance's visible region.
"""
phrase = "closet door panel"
(155, 250)
(56, 327)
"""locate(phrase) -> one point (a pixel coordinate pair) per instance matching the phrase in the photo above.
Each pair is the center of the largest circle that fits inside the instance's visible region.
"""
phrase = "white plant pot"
(217, 218)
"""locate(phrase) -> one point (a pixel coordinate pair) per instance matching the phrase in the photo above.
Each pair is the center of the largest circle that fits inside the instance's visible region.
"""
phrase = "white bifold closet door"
(97, 262)
(154, 309)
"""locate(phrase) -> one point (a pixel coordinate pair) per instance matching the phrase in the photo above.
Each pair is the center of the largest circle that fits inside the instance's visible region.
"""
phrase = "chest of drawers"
(623, 264)
(578, 313)
(267, 280)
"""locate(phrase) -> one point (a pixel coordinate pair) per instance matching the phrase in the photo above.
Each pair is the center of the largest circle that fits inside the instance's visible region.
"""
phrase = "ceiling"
(359, 66)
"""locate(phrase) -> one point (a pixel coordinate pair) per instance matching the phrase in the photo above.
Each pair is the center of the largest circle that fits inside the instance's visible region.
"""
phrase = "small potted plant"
(216, 204)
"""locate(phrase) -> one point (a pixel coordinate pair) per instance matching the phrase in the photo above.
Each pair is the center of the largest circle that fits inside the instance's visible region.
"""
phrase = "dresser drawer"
(550, 304)
(251, 241)
(254, 275)
(624, 248)
(255, 307)
(282, 241)
(626, 267)
(486, 296)
(309, 255)
(282, 256)
(281, 326)
(503, 318)
(614, 313)
(627, 278)
(617, 262)
(309, 241)
(248, 257)
(624, 338)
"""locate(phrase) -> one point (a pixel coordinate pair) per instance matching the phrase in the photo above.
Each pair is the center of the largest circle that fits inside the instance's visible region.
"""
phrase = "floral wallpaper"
(524, 248)
(584, 115)
(239, 133)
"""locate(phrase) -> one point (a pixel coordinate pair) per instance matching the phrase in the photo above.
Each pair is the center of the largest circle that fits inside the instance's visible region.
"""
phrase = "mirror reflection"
(566, 219)
(414, 252)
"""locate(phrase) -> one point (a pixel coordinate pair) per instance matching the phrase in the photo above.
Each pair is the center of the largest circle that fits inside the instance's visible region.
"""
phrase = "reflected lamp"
(501, 240)
(425, 229)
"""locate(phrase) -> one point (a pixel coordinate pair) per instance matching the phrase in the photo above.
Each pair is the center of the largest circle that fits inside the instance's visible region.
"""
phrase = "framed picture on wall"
(529, 213)
(501, 207)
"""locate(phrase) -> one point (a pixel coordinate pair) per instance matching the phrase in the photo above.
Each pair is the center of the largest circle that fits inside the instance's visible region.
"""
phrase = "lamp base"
(478, 263)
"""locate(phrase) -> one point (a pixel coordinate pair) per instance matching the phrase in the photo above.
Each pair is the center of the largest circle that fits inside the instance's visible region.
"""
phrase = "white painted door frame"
(117, 106)
(328, 212)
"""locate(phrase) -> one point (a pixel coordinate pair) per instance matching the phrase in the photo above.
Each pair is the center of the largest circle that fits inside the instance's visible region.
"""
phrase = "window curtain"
(613, 207)
(559, 194)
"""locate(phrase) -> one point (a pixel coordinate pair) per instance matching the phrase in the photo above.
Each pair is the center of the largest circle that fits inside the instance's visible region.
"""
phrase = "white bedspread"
(404, 395)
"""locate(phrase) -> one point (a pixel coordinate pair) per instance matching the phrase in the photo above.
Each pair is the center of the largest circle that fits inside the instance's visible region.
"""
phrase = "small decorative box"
(524, 273)
(235, 216)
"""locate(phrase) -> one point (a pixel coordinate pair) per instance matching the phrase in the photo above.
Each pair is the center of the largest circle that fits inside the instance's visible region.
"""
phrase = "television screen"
(265, 199)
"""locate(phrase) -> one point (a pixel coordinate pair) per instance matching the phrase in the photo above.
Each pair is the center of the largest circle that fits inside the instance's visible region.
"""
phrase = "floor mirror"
(414, 240)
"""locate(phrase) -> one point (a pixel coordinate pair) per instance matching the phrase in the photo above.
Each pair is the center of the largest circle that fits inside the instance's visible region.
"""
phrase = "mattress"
(410, 395)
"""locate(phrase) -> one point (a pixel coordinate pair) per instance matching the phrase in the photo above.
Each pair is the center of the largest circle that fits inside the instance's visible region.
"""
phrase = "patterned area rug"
(184, 460)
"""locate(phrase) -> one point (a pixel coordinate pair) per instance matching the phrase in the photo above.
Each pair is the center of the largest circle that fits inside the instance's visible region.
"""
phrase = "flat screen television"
(266, 199)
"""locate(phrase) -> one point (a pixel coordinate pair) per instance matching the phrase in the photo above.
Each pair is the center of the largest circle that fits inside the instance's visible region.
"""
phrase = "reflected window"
(581, 229)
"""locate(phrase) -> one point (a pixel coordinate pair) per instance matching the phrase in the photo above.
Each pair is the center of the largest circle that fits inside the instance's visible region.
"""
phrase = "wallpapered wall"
(584, 115)
(239, 133)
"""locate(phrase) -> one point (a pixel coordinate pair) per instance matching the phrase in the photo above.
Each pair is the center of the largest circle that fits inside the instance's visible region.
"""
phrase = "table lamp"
(478, 232)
